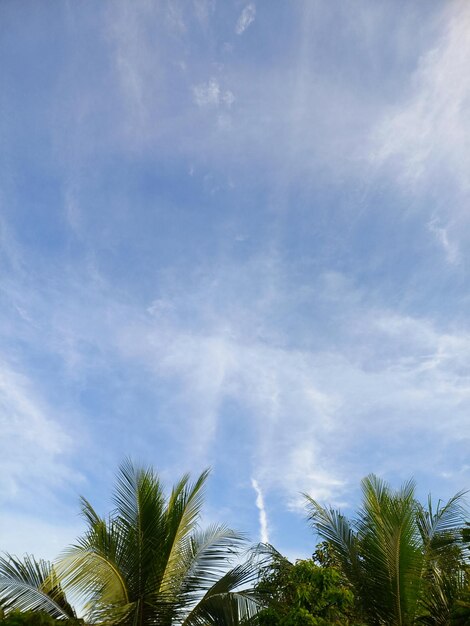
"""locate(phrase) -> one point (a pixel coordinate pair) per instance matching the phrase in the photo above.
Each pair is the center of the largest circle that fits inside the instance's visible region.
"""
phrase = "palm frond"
(148, 563)
(32, 585)
(141, 517)
(182, 514)
(443, 526)
(267, 557)
(92, 568)
(205, 559)
(230, 609)
(391, 549)
(333, 527)
(225, 599)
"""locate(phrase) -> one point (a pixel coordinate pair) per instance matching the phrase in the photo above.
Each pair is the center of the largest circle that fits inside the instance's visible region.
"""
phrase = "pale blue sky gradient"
(232, 234)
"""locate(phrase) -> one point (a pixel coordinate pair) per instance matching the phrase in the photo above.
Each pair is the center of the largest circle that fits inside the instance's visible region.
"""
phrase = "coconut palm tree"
(402, 560)
(148, 563)
(32, 585)
(445, 574)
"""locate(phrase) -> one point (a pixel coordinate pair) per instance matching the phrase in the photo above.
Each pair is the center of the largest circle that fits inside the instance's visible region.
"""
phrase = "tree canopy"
(397, 562)
(403, 561)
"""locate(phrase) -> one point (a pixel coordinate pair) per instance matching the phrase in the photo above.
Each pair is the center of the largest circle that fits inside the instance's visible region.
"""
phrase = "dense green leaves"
(402, 561)
(303, 594)
(149, 563)
(396, 563)
(32, 585)
(35, 618)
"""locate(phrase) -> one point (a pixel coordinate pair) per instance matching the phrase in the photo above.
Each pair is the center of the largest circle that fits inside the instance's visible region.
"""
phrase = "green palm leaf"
(32, 585)
(403, 561)
(332, 526)
(150, 564)
(443, 526)
(225, 600)
(182, 514)
(392, 559)
(443, 574)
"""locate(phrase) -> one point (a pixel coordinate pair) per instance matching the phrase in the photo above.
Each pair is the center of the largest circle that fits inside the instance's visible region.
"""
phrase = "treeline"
(35, 618)
(396, 563)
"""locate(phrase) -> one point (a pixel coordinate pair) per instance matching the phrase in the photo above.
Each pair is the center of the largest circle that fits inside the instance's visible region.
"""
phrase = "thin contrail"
(263, 518)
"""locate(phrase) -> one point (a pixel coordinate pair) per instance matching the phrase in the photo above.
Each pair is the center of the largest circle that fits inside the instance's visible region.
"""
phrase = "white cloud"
(263, 518)
(308, 412)
(212, 341)
(247, 17)
(146, 90)
(441, 233)
(428, 134)
(272, 386)
(325, 386)
(211, 93)
(33, 447)
(135, 97)
(207, 93)
(128, 39)
(315, 417)
(228, 98)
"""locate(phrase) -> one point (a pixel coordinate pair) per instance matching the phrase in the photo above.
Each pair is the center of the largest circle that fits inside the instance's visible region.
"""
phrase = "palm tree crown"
(148, 563)
(399, 557)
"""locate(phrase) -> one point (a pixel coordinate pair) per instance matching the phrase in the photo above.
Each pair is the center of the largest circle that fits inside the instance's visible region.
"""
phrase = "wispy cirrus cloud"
(278, 304)
(422, 141)
(247, 17)
(450, 246)
(428, 133)
(39, 443)
(37, 454)
(211, 93)
(318, 415)
(309, 411)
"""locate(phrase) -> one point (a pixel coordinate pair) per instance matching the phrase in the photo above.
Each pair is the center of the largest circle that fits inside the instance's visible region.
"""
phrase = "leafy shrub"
(35, 618)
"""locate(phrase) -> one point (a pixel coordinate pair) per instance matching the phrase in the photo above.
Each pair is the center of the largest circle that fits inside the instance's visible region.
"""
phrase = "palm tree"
(148, 563)
(445, 574)
(403, 561)
(32, 585)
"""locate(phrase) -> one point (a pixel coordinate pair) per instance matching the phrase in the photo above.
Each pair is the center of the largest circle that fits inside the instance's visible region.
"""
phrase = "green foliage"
(303, 594)
(35, 618)
(403, 561)
(149, 563)
(397, 563)
(325, 556)
(29, 584)
(461, 607)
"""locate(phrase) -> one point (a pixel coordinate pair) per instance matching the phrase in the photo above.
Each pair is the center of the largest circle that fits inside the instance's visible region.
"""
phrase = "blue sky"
(232, 234)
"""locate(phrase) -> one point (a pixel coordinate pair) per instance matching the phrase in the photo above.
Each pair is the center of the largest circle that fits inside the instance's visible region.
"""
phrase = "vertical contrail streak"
(263, 518)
